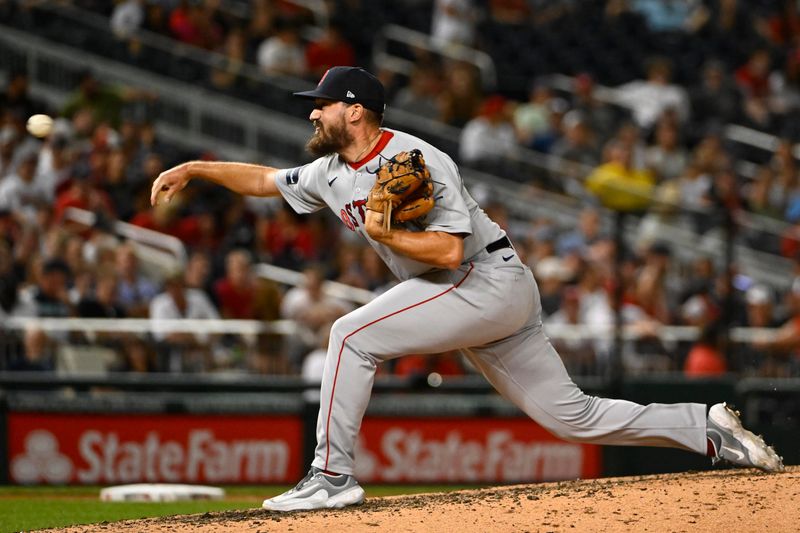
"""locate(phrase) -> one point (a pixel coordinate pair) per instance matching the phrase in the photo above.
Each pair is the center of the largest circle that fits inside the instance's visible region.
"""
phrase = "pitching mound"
(728, 500)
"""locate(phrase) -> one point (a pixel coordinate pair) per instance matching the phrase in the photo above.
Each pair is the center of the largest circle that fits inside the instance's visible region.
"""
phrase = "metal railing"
(95, 345)
(165, 250)
(414, 39)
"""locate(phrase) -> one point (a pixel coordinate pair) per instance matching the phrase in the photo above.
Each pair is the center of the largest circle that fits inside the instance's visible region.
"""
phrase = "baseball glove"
(403, 188)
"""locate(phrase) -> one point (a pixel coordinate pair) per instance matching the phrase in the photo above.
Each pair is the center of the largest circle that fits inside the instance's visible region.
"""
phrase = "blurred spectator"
(283, 52)
(20, 193)
(595, 307)
(262, 20)
(510, 11)
(541, 242)
(551, 273)
(666, 158)
(227, 67)
(760, 308)
(753, 80)
(134, 291)
(192, 22)
(309, 304)
(38, 355)
(187, 351)
(617, 184)
(49, 296)
(312, 308)
(286, 241)
(156, 18)
(82, 194)
(578, 353)
(650, 98)
(532, 118)
(760, 313)
(330, 50)
(651, 287)
(241, 295)
(669, 15)
(753, 76)
(9, 280)
(630, 136)
(346, 267)
(8, 143)
(102, 302)
(55, 165)
(419, 96)
(15, 142)
(454, 22)
(488, 137)
(579, 143)
(783, 187)
(602, 118)
(103, 101)
(17, 99)
(127, 18)
(376, 275)
(758, 194)
(785, 341)
(461, 96)
(716, 100)
(198, 274)
(587, 233)
(705, 358)
(694, 188)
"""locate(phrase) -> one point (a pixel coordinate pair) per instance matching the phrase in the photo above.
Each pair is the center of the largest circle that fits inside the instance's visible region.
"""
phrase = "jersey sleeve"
(299, 186)
(450, 213)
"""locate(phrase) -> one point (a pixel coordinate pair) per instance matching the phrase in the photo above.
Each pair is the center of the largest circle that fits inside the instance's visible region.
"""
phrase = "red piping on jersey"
(339, 360)
(384, 140)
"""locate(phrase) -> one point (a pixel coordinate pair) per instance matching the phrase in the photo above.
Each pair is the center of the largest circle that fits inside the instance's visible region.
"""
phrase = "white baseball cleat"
(737, 445)
(318, 490)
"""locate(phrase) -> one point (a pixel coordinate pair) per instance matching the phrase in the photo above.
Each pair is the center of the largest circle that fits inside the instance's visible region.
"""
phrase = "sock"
(711, 450)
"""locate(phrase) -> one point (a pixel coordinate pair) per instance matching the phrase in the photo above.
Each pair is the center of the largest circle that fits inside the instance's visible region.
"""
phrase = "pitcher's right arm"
(242, 178)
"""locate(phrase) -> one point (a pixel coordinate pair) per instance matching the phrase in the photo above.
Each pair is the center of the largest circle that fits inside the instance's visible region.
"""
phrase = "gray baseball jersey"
(488, 308)
(344, 188)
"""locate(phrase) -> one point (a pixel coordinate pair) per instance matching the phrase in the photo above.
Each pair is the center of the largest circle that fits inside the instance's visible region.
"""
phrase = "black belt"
(499, 244)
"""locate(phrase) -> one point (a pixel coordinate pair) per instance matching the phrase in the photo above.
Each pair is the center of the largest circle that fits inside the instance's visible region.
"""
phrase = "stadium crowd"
(666, 143)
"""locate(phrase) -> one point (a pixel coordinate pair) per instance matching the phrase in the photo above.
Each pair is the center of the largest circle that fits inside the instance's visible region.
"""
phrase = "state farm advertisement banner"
(103, 449)
(475, 450)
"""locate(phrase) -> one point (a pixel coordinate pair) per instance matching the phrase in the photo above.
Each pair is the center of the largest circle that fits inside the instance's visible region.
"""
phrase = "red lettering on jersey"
(360, 205)
(346, 219)
(349, 209)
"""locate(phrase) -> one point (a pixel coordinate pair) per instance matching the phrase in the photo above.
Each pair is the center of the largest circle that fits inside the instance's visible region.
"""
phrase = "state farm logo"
(410, 455)
(107, 457)
(42, 460)
(202, 456)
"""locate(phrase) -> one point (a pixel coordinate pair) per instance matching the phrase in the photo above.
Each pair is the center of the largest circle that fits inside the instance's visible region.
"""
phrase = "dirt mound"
(728, 500)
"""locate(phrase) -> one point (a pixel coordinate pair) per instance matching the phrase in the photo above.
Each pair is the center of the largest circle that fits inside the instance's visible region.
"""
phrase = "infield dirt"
(743, 501)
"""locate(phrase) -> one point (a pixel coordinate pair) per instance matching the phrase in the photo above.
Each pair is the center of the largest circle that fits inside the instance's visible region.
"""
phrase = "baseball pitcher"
(462, 287)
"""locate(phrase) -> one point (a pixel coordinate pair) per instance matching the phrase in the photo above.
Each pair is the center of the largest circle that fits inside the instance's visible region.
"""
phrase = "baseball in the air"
(434, 379)
(40, 125)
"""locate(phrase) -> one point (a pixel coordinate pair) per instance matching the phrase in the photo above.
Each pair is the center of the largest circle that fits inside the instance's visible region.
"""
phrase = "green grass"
(36, 513)
(27, 508)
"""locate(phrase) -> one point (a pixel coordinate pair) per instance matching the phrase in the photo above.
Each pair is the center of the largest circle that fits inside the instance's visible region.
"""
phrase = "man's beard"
(328, 140)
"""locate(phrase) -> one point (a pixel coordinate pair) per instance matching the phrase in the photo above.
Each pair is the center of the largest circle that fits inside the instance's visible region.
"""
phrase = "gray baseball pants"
(490, 310)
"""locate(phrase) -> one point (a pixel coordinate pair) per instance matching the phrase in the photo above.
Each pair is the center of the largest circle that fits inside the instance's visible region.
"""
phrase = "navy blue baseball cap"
(352, 85)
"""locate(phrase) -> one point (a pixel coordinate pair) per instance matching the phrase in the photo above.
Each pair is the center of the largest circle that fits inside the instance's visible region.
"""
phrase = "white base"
(160, 492)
